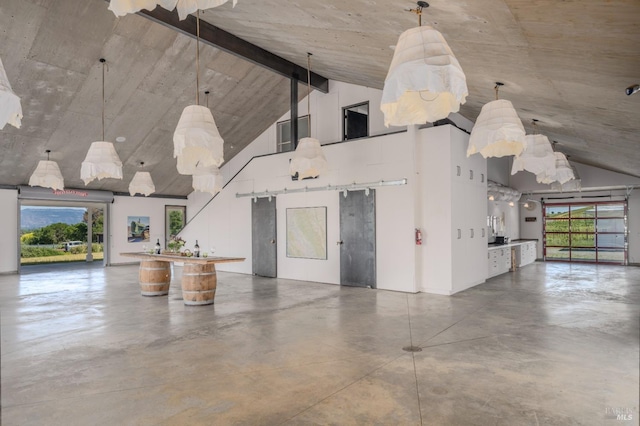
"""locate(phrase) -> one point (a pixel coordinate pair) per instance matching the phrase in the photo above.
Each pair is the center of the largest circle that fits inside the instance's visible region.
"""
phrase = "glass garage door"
(586, 232)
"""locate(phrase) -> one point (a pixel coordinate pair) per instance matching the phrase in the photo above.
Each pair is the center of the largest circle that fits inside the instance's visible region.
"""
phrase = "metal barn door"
(358, 239)
(263, 236)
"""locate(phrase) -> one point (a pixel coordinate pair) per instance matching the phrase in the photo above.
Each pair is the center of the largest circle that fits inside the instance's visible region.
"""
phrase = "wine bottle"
(196, 250)
(158, 247)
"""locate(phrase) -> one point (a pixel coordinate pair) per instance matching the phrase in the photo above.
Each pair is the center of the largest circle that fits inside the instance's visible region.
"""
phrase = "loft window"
(284, 133)
(355, 121)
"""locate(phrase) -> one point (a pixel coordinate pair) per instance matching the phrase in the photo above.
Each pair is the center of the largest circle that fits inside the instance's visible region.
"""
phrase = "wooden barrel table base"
(199, 284)
(199, 278)
(155, 278)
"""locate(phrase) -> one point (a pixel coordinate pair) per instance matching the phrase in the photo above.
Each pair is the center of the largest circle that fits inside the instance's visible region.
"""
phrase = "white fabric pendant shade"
(308, 159)
(571, 186)
(142, 184)
(47, 175)
(207, 179)
(196, 141)
(185, 7)
(425, 82)
(10, 108)
(498, 131)
(537, 158)
(563, 172)
(102, 162)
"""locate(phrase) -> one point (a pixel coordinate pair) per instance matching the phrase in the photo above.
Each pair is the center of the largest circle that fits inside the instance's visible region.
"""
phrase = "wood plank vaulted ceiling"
(565, 63)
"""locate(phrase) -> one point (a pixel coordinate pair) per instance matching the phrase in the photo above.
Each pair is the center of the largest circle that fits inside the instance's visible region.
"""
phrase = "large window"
(284, 133)
(586, 232)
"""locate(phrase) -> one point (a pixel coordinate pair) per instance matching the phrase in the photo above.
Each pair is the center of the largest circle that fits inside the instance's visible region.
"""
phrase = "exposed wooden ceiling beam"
(223, 40)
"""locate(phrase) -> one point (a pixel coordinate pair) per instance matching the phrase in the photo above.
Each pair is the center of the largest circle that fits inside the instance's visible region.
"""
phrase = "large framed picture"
(175, 218)
(138, 229)
(307, 232)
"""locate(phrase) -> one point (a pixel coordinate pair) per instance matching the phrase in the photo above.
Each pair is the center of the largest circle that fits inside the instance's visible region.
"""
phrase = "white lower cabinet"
(499, 258)
(527, 253)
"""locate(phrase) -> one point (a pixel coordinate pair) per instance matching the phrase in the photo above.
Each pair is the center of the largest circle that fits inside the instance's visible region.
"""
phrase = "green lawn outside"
(69, 257)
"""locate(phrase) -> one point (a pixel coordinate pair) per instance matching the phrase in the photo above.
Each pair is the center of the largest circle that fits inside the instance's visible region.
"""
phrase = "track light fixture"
(632, 89)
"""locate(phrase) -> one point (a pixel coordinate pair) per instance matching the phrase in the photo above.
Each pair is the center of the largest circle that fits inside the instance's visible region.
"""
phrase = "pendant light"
(574, 184)
(498, 130)
(102, 160)
(308, 159)
(425, 82)
(10, 109)
(562, 174)
(47, 174)
(184, 7)
(142, 183)
(207, 179)
(538, 157)
(196, 140)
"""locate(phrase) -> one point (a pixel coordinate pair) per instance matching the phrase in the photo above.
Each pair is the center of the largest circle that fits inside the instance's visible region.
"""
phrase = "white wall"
(326, 121)
(122, 208)
(508, 218)
(499, 170)
(326, 126)
(9, 231)
(226, 222)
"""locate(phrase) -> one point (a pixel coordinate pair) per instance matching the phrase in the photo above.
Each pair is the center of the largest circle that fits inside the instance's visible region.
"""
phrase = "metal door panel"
(358, 239)
(263, 236)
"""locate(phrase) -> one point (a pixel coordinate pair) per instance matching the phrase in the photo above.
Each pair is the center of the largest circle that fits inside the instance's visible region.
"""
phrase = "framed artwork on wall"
(175, 218)
(138, 229)
(307, 232)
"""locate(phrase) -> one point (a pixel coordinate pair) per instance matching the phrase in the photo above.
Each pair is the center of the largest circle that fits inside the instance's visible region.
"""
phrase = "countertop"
(512, 243)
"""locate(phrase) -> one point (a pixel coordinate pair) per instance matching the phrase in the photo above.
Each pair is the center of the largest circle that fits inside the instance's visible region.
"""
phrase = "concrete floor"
(553, 344)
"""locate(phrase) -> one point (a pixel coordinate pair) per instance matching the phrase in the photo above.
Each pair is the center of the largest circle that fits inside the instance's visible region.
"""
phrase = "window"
(586, 232)
(175, 218)
(284, 133)
(355, 121)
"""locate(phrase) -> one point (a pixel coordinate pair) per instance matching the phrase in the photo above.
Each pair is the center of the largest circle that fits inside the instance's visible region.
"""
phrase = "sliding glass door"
(586, 232)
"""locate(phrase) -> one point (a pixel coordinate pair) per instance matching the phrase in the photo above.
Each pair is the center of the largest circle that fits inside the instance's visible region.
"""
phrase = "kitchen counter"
(512, 243)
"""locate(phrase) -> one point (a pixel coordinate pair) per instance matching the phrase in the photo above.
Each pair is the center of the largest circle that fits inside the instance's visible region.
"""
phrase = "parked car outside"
(69, 244)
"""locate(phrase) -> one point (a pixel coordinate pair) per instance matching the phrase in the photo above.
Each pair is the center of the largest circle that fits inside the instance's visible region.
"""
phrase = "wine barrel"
(155, 277)
(198, 284)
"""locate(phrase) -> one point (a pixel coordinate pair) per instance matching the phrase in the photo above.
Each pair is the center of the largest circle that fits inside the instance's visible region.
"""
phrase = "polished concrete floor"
(551, 344)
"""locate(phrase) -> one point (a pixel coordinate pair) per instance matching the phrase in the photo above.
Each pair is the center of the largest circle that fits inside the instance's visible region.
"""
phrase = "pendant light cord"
(418, 11)
(309, 89)
(497, 87)
(103, 65)
(198, 57)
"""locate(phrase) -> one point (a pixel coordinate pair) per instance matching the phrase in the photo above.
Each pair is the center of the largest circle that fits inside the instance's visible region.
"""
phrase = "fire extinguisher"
(418, 237)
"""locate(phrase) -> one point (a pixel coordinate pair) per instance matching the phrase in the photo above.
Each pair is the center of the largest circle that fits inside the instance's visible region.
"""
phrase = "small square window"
(283, 138)
(355, 122)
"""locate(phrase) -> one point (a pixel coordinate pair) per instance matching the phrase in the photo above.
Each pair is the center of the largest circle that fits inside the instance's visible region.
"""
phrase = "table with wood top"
(199, 279)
